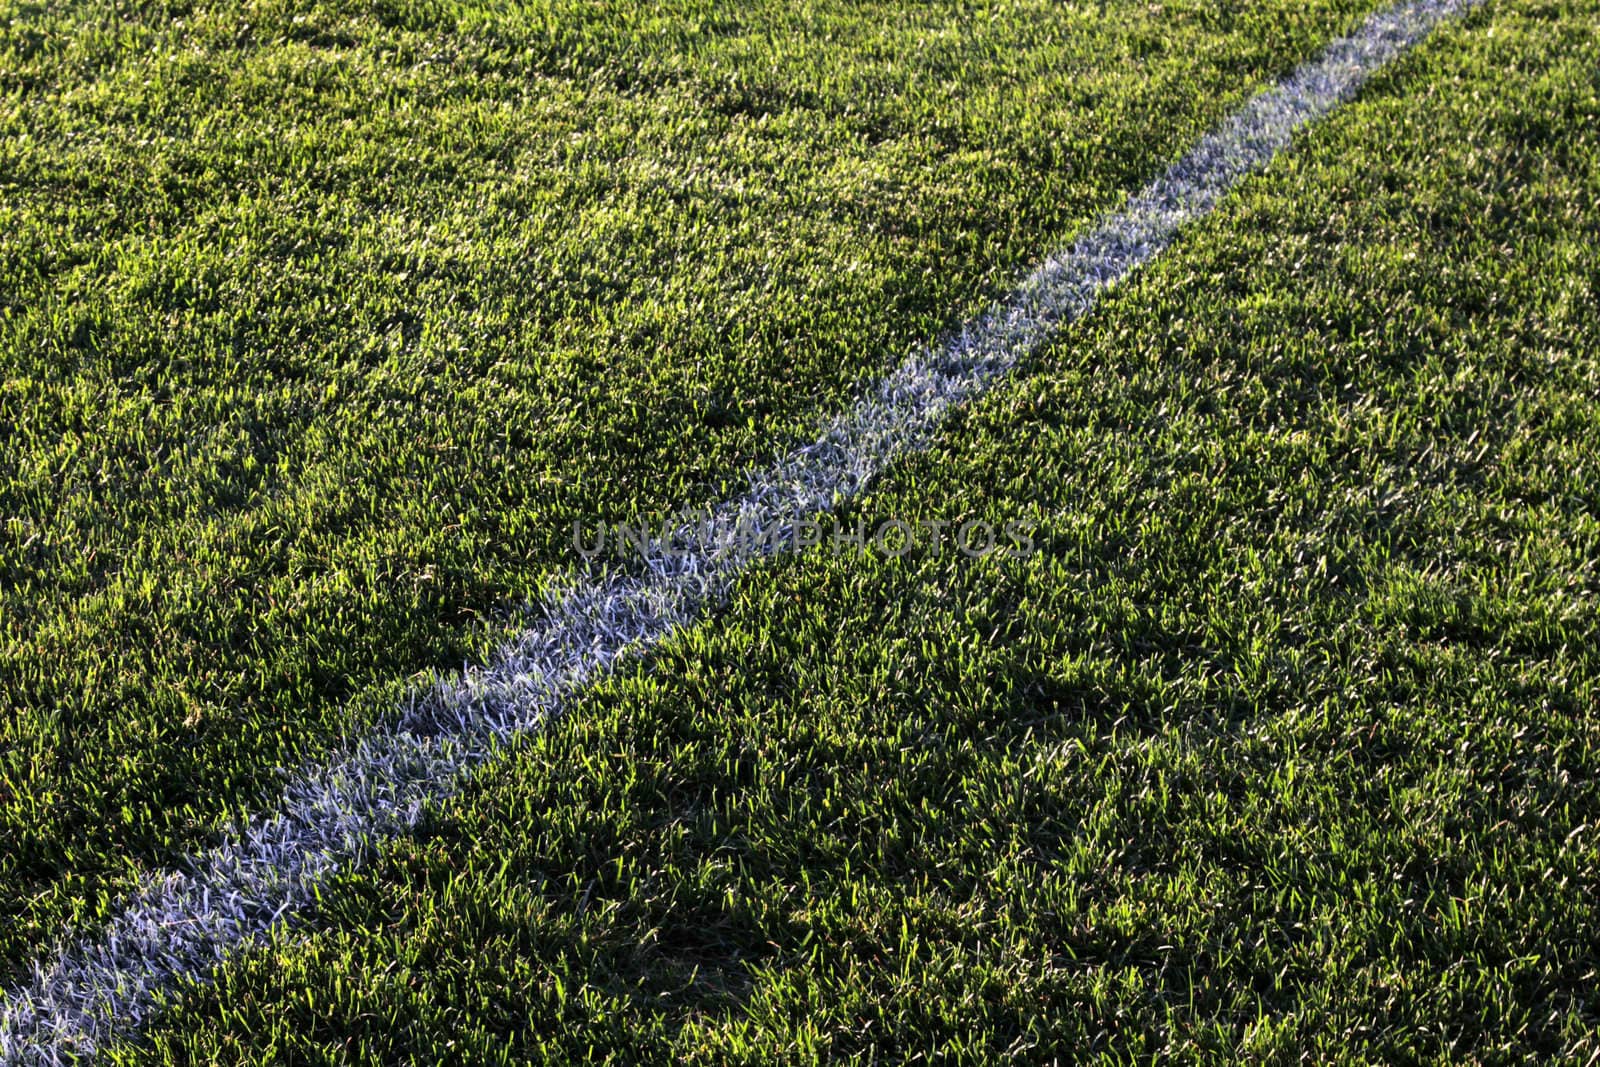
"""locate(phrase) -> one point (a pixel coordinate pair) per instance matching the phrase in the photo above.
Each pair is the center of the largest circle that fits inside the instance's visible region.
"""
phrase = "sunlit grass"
(1281, 747)
(322, 323)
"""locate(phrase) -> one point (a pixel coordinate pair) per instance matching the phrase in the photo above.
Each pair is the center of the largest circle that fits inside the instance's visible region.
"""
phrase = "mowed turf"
(1282, 747)
(320, 324)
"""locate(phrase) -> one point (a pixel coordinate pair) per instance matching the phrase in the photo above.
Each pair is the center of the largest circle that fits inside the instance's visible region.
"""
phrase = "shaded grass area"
(1282, 746)
(321, 323)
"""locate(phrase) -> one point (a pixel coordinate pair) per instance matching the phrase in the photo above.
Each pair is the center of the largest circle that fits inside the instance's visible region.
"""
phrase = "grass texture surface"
(1281, 745)
(320, 324)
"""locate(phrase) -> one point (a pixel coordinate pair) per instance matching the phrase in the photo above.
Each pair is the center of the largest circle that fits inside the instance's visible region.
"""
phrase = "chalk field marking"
(332, 817)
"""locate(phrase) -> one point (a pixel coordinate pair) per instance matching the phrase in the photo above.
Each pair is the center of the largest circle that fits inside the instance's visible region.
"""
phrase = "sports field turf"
(322, 325)
(322, 331)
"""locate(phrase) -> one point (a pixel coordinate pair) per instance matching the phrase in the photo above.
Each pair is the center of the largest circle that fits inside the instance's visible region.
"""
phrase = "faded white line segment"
(182, 923)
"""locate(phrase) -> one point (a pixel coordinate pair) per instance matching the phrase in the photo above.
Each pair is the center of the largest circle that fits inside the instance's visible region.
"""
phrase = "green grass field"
(321, 331)
(321, 324)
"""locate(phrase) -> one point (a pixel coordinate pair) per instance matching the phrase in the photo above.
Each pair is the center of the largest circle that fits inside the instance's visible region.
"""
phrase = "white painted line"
(334, 815)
